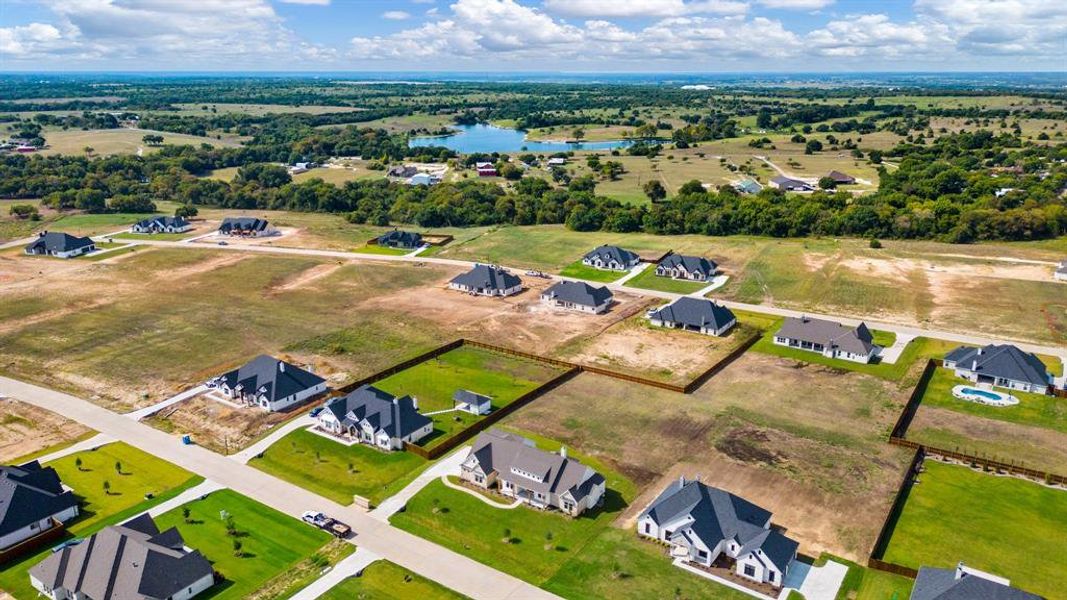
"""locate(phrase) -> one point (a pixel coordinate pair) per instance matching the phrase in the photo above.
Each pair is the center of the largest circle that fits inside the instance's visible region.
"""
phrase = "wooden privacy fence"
(882, 542)
(1007, 467)
(900, 429)
(407, 364)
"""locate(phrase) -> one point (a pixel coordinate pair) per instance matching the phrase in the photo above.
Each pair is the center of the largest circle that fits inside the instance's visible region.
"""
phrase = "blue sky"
(534, 35)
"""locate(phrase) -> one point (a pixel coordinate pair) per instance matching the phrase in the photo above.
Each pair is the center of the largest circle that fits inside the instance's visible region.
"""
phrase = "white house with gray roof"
(132, 561)
(829, 338)
(374, 417)
(694, 314)
(964, 583)
(693, 268)
(269, 383)
(1002, 365)
(487, 280)
(161, 224)
(611, 258)
(60, 245)
(578, 295)
(707, 526)
(1061, 272)
(33, 501)
(472, 402)
(518, 469)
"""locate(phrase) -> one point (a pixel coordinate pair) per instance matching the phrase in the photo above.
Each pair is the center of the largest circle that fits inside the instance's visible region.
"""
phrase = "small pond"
(472, 139)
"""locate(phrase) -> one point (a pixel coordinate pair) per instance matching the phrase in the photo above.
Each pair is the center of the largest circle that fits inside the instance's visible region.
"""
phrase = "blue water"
(982, 393)
(471, 139)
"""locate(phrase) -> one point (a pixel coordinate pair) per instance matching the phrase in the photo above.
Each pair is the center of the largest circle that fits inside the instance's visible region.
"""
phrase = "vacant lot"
(27, 430)
(958, 514)
(119, 141)
(215, 425)
(257, 109)
(384, 580)
(808, 442)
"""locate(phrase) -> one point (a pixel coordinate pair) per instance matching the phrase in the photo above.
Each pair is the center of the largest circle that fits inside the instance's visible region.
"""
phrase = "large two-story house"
(374, 417)
(1001, 365)
(829, 338)
(269, 383)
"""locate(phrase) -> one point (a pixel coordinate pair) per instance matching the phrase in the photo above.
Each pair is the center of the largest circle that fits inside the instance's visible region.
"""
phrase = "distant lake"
(471, 139)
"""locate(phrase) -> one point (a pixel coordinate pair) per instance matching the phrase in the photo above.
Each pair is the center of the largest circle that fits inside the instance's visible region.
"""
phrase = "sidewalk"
(148, 411)
(891, 354)
(193, 493)
(448, 465)
(349, 567)
(634, 272)
(716, 283)
(261, 446)
(94, 442)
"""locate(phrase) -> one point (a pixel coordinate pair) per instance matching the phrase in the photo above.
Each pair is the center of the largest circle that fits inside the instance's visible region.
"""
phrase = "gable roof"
(408, 239)
(277, 378)
(163, 221)
(1005, 360)
(243, 224)
(397, 417)
(513, 456)
(840, 177)
(133, 561)
(857, 340)
(30, 493)
(489, 277)
(609, 253)
(957, 584)
(469, 397)
(692, 264)
(781, 180)
(695, 312)
(579, 292)
(57, 241)
(748, 186)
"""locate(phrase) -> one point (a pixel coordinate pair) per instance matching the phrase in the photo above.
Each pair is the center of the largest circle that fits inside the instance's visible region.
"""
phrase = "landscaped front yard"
(1006, 526)
(648, 280)
(336, 471)
(581, 271)
(384, 580)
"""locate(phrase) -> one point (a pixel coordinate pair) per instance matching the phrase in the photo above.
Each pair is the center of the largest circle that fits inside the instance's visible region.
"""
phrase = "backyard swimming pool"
(984, 396)
(487, 139)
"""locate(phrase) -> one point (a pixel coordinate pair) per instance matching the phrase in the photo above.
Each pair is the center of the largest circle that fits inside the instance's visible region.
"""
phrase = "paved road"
(349, 567)
(421, 556)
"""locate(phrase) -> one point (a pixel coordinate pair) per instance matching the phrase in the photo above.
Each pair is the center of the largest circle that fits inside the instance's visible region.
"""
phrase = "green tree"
(827, 183)
(655, 190)
(812, 146)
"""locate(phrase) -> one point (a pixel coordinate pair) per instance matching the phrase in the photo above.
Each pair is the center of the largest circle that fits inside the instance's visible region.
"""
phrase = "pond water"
(470, 139)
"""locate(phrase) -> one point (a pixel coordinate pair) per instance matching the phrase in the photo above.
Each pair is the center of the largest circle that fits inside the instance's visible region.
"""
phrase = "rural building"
(791, 185)
(246, 226)
(485, 169)
(841, 178)
(270, 383)
(376, 418)
(60, 245)
(612, 258)
(408, 240)
(694, 314)
(132, 561)
(420, 179)
(402, 171)
(1061, 271)
(1000, 365)
(748, 186)
(964, 583)
(470, 402)
(578, 295)
(694, 268)
(556, 161)
(829, 338)
(487, 280)
(300, 167)
(541, 479)
(33, 502)
(162, 225)
(708, 526)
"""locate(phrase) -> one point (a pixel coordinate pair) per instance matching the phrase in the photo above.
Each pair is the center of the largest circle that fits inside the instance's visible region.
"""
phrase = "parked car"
(315, 411)
(223, 243)
(331, 526)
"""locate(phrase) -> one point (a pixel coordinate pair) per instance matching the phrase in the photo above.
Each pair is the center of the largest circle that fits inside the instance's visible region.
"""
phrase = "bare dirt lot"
(215, 425)
(25, 429)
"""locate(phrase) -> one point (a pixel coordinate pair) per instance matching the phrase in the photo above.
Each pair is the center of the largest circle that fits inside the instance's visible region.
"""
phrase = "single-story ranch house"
(611, 258)
(693, 268)
(791, 185)
(246, 226)
(487, 280)
(578, 295)
(829, 338)
(270, 383)
(706, 525)
(964, 583)
(133, 561)
(400, 239)
(60, 245)
(376, 418)
(540, 479)
(694, 314)
(1001, 365)
(470, 402)
(162, 225)
(33, 502)
(841, 178)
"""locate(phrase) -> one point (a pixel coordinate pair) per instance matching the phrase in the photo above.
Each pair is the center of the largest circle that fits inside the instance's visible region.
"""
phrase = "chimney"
(563, 451)
(974, 365)
(281, 366)
(960, 572)
(979, 352)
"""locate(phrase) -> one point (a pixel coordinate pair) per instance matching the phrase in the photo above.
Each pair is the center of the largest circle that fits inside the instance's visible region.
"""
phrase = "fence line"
(882, 541)
(407, 364)
(703, 378)
(986, 463)
(900, 429)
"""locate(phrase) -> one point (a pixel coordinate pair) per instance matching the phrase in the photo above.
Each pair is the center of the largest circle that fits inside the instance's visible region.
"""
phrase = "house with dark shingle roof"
(789, 184)
(841, 178)
(400, 239)
(518, 469)
(578, 295)
(33, 501)
(829, 338)
(246, 227)
(270, 383)
(162, 225)
(60, 245)
(487, 280)
(132, 561)
(611, 258)
(694, 314)
(964, 583)
(471, 402)
(693, 268)
(374, 417)
(703, 524)
(1000, 365)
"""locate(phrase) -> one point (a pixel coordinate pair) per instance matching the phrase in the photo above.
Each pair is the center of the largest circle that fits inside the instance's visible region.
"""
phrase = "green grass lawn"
(650, 281)
(155, 237)
(322, 466)
(1038, 410)
(580, 271)
(273, 542)
(862, 583)
(386, 250)
(384, 580)
(93, 224)
(1003, 525)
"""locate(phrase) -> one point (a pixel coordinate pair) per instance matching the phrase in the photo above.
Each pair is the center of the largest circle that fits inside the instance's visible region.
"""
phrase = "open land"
(120, 141)
(26, 430)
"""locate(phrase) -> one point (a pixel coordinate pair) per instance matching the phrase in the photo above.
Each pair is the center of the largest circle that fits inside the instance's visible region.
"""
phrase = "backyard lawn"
(862, 583)
(273, 544)
(384, 580)
(580, 271)
(1039, 410)
(957, 514)
(648, 280)
(336, 471)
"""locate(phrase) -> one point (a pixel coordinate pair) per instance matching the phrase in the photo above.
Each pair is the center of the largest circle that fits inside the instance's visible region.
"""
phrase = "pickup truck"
(331, 526)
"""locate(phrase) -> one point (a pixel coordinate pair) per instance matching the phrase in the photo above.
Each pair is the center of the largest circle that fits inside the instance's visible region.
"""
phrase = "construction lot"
(27, 430)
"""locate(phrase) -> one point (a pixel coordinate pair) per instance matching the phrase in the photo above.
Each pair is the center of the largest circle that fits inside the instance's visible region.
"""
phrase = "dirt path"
(307, 276)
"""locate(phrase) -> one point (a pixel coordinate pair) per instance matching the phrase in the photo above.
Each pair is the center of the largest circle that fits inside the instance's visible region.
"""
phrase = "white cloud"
(603, 9)
(861, 35)
(29, 39)
(796, 4)
(980, 27)
(396, 15)
(312, 2)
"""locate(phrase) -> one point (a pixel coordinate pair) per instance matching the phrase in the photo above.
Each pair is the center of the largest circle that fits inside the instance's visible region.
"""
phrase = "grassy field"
(119, 141)
(862, 583)
(581, 271)
(336, 471)
(156, 237)
(337, 177)
(274, 545)
(194, 109)
(384, 580)
(386, 250)
(957, 514)
(648, 280)
(1039, 410)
